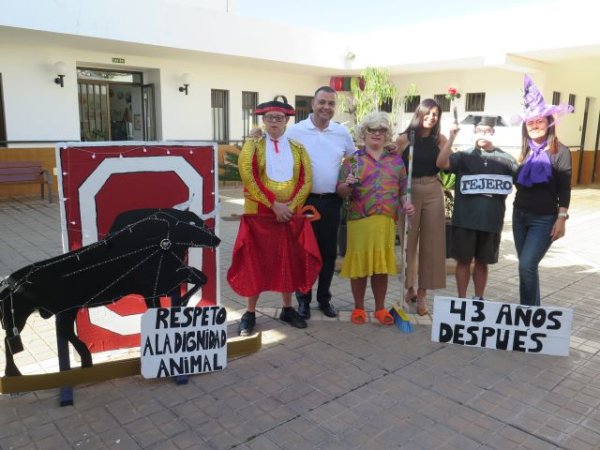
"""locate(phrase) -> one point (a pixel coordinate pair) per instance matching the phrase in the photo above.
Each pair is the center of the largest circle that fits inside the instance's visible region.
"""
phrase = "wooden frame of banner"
(236, 348)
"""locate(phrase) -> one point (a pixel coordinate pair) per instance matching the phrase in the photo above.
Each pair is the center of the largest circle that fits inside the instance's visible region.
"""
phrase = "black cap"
(275, 105)
(489, 121)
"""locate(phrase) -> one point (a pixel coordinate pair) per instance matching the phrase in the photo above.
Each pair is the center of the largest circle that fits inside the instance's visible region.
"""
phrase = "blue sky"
(367, 15)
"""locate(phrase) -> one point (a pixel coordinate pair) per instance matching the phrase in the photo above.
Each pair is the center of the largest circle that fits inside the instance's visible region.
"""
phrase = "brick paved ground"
(333, 385)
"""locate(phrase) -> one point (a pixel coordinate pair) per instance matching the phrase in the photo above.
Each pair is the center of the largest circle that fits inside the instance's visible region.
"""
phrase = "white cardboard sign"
(183, 341)
(502, 326)
(486, 184)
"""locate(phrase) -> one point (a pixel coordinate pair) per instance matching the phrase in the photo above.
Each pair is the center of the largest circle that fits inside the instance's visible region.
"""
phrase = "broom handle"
(411, 149)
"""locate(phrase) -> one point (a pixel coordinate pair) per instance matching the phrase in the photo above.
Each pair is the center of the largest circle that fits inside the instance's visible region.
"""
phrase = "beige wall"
(38, 109)
(580, 77)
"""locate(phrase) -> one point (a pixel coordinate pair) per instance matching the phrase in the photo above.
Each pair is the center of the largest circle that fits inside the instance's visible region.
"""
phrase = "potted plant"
(228, 170)
(412, 91)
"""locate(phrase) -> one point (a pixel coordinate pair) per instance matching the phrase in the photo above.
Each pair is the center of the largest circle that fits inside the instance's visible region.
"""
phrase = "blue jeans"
(532, 240)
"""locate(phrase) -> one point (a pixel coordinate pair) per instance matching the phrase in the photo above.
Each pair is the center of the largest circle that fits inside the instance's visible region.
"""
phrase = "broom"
(401, 319)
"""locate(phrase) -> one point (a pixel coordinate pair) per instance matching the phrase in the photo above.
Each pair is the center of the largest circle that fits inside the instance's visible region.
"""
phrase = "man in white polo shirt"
(327, 144)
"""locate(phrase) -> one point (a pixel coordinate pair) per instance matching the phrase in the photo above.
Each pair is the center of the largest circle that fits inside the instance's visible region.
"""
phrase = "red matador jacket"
(269, 255)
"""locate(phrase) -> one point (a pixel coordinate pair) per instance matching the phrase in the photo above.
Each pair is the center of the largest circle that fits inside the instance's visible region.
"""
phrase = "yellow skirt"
(371, 247)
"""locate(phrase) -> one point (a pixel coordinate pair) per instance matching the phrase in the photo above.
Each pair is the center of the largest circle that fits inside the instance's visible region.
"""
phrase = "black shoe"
(290, 316)
(304, 309)
(247, 324)
(327, 309)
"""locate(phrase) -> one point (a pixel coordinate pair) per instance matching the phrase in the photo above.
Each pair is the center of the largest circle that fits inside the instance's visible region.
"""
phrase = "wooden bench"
(26, 172)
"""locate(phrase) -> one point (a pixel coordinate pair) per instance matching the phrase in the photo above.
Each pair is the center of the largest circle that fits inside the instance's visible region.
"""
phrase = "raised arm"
(445, 144)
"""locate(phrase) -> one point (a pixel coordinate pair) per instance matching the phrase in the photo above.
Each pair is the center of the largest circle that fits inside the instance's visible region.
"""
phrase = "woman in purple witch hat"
(543, 189)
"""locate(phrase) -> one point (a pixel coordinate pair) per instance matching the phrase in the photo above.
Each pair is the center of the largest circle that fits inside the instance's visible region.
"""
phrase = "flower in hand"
(452, 93)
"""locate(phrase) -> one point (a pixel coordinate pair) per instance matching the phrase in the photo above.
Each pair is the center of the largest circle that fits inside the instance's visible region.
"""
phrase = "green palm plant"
(448, 181)
(229, 170)
(376, 93)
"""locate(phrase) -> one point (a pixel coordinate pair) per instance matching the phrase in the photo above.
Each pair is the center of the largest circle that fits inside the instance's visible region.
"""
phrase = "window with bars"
(475, 101)
(387, 105)
(443, 101)
(556, 98)
(94, 113)
(219, 102)
(410, 106)
(303, 107)
(572, 101)
(249, 102)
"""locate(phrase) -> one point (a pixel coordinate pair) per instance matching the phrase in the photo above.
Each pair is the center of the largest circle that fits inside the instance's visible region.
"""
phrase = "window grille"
(94, 112)
(572, 101)
(443, 102)
(387, 105)
(411, 105)
(556, 98)
(303, 107)
(475, 101)
(219, 103)
(249, 102)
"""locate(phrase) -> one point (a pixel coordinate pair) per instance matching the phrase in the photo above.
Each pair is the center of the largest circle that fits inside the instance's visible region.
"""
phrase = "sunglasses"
(376, 130)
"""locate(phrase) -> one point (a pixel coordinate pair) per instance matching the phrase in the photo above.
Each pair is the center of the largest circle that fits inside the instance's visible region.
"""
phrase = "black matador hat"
(275, 105)
(489, 121)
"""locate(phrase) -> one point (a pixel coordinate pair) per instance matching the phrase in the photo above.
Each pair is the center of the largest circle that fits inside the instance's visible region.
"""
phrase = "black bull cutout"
(144, 254)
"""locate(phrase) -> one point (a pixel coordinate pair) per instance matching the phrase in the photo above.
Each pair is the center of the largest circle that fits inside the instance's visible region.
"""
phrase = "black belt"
(325, 195)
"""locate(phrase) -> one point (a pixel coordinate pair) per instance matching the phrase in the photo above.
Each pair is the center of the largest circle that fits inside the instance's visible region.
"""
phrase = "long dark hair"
(416, 123)
(550, 135)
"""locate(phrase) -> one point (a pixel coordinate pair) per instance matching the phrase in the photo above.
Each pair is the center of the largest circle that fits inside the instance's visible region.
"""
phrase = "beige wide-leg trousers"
(427, 235)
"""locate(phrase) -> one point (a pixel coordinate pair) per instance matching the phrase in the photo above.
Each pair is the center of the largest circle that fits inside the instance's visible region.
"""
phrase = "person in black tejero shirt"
(484, 175)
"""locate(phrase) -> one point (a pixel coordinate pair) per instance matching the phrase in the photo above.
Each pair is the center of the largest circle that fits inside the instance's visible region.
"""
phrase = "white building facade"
(126, 65)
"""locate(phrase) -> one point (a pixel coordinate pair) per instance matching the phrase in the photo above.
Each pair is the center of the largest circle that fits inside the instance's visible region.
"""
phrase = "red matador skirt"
(273, 256)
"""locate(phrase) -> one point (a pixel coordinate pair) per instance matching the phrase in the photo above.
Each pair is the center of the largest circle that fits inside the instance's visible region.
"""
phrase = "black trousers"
(326, 231)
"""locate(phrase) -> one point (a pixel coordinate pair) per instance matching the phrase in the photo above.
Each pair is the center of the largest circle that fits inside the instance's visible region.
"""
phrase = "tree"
(371, 92)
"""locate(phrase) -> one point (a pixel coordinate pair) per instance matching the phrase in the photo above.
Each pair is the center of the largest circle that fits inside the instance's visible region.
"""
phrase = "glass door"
(115, 106)
(94, 113)
(149, 114)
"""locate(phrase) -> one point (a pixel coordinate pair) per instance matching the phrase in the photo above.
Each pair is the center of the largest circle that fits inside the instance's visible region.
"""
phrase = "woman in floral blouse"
(375, 181)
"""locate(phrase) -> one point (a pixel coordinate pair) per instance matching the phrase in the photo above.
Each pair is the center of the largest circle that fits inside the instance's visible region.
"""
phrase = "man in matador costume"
(275, 249)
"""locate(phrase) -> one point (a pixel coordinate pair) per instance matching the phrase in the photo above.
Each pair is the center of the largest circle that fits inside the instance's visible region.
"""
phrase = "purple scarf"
(538, 168)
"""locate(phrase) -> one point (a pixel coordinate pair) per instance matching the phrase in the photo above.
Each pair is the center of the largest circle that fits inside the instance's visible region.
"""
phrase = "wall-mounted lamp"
(61, 69)
(185, 78)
